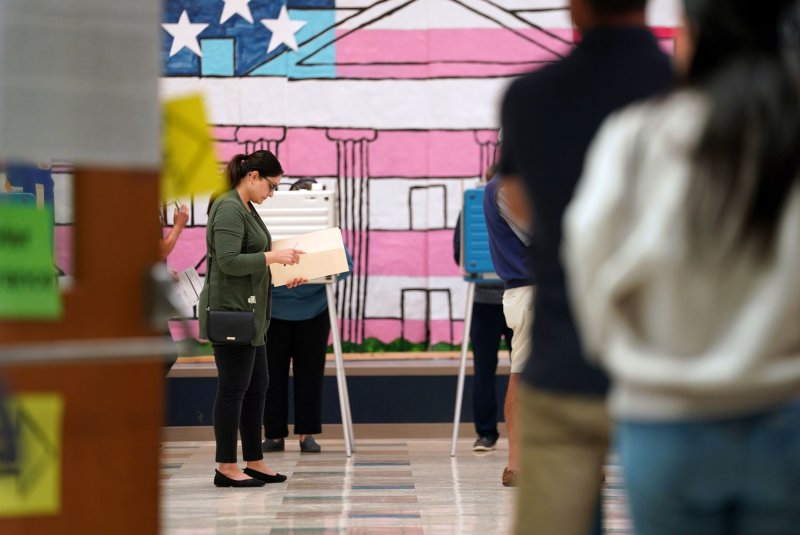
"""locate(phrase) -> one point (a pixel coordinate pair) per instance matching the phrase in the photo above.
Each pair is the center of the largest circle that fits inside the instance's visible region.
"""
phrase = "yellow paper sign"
(30, 455)
(190, 159)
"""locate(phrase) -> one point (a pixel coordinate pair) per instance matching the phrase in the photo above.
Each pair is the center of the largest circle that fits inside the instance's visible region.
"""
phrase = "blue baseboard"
(373, 399)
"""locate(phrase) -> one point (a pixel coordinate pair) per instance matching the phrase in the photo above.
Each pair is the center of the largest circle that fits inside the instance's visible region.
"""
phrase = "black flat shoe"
(266, 478)
(221, 480)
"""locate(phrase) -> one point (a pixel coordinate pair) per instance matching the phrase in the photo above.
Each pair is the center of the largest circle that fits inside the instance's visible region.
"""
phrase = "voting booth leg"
(348, 412)
(347, 419)
(341, 380)
(462, 370)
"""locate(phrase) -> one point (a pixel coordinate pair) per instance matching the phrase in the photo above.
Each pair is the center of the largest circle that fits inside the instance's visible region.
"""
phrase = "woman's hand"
(287, 257)
(181, 216)
(294, 283)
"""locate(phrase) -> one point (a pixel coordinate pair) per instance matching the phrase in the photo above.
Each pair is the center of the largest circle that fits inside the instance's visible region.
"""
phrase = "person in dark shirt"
(548, 118)
(487, 330)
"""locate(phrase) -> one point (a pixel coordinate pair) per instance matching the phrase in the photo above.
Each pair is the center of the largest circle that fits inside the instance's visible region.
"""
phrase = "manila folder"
(324, 255)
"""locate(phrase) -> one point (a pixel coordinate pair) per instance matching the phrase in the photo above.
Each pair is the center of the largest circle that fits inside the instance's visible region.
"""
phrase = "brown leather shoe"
(510, 477)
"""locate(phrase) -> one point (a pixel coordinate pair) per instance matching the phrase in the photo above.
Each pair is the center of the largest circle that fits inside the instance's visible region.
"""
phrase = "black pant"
(488, 327)
(239, 405)
(303, 343)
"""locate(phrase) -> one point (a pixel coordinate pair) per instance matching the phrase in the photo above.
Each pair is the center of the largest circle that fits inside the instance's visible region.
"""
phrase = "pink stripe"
(352, 134)
(440, 70)
(398, 253)
(308, 152)
(440, 52)
(62, 242)
(258, 133)
(385, 330)
(228, 149)
(426, 154)
(224, 133)
(438, 153)
(189, 250)
(664, 32)
(412, 254)
(190, 329)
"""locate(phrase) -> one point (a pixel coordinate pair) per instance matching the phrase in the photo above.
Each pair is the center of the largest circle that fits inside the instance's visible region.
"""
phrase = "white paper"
(324, 256)
(194, 280)
(79, 81)
(190, 286)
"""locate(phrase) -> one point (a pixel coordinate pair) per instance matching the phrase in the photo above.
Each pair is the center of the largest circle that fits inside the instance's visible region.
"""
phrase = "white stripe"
(385, 104)
(507, 4)
(384, 292)
(376, 11)
(555, 20)
(427, 209)
(660, 13)
(63, 198)
(448, 14)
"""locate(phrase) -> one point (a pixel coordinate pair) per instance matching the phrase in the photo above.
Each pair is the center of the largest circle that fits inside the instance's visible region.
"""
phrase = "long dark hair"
(262, 161)
(747, 64)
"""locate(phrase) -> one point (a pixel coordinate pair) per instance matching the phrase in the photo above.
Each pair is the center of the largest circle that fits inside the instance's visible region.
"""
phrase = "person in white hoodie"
(682, 248)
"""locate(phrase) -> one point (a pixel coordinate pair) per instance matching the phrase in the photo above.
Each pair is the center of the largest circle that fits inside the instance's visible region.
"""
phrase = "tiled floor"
(386, 487)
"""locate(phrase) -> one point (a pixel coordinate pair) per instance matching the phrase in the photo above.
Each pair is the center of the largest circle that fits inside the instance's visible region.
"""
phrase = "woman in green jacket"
(238, 278)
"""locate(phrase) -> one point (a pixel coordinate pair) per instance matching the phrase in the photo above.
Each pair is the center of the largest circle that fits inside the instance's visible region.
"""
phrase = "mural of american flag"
(392, 102)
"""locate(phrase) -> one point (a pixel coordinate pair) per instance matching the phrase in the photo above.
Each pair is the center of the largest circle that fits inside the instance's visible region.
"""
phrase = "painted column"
(352, 156)
(488, 147)
(260, 138)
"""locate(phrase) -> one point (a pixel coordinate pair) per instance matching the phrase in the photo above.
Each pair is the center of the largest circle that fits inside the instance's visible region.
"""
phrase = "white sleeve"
(592, 226)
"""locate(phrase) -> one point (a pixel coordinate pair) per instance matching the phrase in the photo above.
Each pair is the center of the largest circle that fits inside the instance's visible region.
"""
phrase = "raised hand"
(181, 216)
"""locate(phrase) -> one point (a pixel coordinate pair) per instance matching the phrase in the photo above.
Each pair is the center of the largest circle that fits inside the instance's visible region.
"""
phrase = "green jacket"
(236, 271)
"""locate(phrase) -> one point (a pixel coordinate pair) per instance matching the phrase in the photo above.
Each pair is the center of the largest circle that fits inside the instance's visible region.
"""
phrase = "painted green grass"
(194, 348)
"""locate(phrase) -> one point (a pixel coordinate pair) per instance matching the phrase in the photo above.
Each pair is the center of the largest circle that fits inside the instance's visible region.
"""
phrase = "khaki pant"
(518, 311)
(563, 445)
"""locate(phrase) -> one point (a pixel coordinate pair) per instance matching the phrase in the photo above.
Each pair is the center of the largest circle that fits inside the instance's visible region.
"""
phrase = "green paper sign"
(28, 288)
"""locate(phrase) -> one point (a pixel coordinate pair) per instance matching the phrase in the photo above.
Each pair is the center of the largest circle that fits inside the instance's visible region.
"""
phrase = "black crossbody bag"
(235, 327)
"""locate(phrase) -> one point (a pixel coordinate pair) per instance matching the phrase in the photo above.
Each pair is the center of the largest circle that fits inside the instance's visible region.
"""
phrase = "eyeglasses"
(272, 185)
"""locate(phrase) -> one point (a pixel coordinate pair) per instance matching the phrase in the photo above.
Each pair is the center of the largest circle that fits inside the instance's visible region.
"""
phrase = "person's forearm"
(168, 243)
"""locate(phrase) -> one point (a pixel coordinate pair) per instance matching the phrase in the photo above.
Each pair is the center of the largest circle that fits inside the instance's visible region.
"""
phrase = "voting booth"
(289, 215)
(476, 264)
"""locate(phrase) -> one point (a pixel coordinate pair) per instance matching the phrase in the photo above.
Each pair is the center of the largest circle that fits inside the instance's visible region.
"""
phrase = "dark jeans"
(303, 344)
(488, 327)
(239, 405)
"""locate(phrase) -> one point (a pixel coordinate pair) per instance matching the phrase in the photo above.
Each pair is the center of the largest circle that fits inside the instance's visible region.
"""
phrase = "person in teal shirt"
(298, 335)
